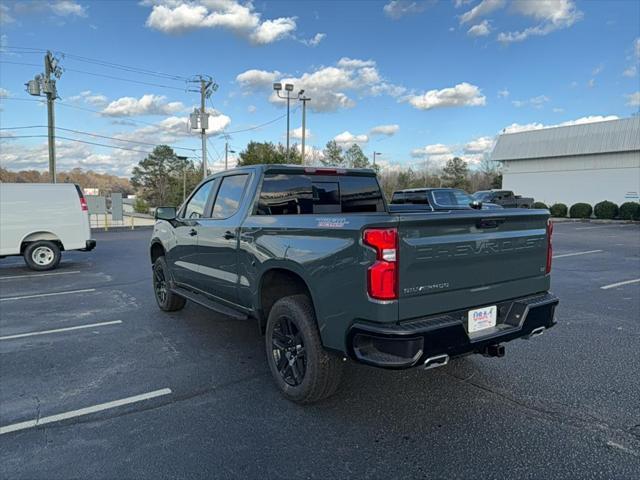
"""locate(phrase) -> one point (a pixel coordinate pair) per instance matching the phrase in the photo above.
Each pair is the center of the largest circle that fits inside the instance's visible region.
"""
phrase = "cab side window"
(196, 205)
(229, 196)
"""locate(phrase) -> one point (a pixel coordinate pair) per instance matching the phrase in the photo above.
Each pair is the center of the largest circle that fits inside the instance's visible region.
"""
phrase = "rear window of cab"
(300, 194)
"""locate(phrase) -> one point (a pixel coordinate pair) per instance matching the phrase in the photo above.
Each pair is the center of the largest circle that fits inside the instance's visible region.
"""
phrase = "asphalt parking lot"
(97, 382)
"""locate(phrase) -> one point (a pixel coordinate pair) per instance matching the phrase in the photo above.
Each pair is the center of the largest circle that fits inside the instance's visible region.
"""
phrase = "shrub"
(140, 206)
(630, 211)
(580, 210)
(539, 205)
(607, 210)
(558, 210)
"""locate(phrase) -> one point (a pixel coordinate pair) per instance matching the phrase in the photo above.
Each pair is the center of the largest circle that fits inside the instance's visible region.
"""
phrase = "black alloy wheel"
(288, 351)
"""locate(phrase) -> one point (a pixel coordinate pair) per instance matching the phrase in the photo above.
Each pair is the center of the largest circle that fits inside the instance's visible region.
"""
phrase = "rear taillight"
(549, 246)
(83, 202)
(382, 276)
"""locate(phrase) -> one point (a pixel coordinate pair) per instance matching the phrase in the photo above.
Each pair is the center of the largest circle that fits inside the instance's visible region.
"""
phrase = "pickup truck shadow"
(437, 395)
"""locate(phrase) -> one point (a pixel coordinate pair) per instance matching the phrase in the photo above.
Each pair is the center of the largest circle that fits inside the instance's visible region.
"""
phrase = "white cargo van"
(40, 220)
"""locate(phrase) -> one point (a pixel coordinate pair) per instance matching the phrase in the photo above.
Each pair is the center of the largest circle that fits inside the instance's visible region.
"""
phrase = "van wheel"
(167, 300)
(42, 255)
(303, 370)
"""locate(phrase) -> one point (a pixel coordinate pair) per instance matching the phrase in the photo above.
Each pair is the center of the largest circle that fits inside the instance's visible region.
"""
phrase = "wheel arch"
(156, 250)
(276, 283)
(37, 236)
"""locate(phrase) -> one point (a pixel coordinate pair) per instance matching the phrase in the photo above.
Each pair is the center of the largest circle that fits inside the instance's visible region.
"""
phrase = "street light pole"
(288, 88)
(374, 157)
(226, 154)
(304, 101)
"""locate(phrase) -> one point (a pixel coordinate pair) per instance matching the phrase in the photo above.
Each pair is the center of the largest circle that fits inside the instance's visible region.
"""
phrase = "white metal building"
(578, 163)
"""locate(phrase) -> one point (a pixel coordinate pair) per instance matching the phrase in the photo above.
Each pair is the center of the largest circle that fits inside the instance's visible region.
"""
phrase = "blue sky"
(418, 81)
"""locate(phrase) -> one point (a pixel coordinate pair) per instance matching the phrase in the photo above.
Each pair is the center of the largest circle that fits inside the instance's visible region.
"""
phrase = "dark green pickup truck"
(330, 274)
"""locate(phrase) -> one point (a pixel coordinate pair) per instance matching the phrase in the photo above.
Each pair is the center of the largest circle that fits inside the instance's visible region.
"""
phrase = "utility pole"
(200, 118)
(226, 154)
(185, 160)
(47, 85)
(204, 123)
(304, 101)
(374, 158)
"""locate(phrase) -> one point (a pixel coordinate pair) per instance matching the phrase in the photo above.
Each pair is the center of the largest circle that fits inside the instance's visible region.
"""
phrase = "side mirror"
(165, 213)
(476, 204)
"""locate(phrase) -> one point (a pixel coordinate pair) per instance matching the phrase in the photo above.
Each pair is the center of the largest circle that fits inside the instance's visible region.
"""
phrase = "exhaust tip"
(437, 361)
(536, 332)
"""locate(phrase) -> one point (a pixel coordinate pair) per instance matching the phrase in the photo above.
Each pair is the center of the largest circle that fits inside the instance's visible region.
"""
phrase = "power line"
(97, 136)
(112, 77)
(103, 63)
(79, 141)
(256, 127)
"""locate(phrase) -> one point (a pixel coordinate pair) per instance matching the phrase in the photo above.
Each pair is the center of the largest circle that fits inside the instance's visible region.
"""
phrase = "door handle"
(193, 232)
(229, 235)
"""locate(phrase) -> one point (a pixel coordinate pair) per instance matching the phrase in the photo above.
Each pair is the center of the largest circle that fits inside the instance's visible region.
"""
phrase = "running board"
(206, 302)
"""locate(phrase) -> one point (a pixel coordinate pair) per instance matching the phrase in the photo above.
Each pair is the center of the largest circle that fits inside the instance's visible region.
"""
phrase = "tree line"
(105, 182)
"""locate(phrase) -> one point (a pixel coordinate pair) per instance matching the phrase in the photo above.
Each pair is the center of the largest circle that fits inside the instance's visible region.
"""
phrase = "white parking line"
(86, 290)
(619, 284)
(58, 330)
(83, 411)
(592, 228)
(38, 275)
(576, 253)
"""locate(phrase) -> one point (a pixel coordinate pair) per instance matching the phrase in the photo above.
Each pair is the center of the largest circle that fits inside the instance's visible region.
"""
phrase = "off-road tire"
(323, 369)
(42, 255)
(167, 300)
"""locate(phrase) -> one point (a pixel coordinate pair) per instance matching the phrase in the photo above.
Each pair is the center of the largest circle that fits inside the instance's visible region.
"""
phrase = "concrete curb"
(121, 229)
(596, 221)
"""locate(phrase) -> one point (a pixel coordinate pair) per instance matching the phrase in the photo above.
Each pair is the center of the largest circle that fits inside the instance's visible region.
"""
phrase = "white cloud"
(146, 105)
(90, 98)
(632, 71)
(516, 127)
(251, 109)
(387, 130)
(4, 93)
(591, 83)
(636, 48)
(399, 8)
(558, 110)
(463, 94)
(257, 78)
(437, 149)
(482, 9)
(66, 8)
(329, 87)
(273, 30)
(482, 29)
(479, 145)
(597, 70)
(553, 15)
(296, 133)
(504, 93)
(535, 102)
(5, 15)
(69, 155)
(633, 99)
(315, 40)
(178, 16)
(347, 139)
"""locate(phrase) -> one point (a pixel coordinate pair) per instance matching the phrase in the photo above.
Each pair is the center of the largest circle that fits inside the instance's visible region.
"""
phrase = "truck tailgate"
(468, 259)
